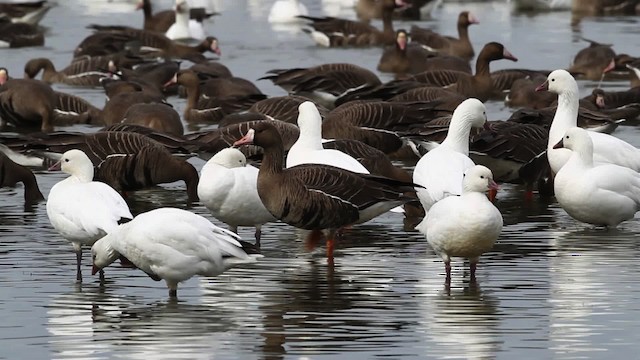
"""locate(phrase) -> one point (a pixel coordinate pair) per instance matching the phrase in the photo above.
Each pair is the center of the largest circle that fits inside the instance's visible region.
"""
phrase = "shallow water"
(551, 287)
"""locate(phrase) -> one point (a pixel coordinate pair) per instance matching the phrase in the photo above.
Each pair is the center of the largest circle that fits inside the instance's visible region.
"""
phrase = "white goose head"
(77, 163)
(578, 140)
(478, 179)
(309, 119)
(103, 254)
(560, 82)
(472, 111)
(229, 158)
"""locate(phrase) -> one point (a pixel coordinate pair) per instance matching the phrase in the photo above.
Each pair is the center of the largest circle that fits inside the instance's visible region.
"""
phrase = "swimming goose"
(466, 225)
(83, 210)
(319, 197)
(161, 21)
(605, 7)
(606, 148)
(308, 148)
(173, 245)
(447, 44)
(16, 35)
(12, 173)
(228, 188)
(184, 28)
(599, 194)
(286, 11)
(440, 171)
(29, 12)
(593, 61)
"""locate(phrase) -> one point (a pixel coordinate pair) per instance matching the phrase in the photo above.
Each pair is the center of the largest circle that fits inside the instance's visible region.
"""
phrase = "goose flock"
(342, 148)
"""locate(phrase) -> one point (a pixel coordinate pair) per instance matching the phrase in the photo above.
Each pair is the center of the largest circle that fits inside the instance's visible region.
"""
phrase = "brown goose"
(601, 99)
(126, 161)
(162, 20)
(447, 99)
(319, 197)
(601, 121)
(523, 94)
(634, 73)
(372, 9)
(212, 69)
(408, 58)
(158, 116)
(446, 44)
(479, 85)
(29, 12)
(151, 76)
(284, 108)
(593, 61)
(375, 122)
(26, 103)
(12, 173)
(503, 79)
(211, 110)
(605, 7)
(119, 40)
(333, 32)
(114, 110)
(323, 84)
(71, 109)
(85, 71)
(16, 35)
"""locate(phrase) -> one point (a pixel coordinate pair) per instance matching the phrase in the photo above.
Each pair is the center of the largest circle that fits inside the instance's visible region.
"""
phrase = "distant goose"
(440, 171)
(83, 210)
(319, 197)
(86, 71)
(16, 35)
(606, 148)
(12, 173)
(184, 28)
(308, 148)
(466, 225)
(287, 11)
(605, 194)
(29, 12)
(323, 84)
(448, 45)
(228, 188)
(593, 61)
(173, 245)
(161, 21)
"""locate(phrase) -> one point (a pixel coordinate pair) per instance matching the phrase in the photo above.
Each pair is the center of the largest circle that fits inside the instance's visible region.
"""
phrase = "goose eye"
(566, 137)
(481, 176)
(553, 80)
(66, 160)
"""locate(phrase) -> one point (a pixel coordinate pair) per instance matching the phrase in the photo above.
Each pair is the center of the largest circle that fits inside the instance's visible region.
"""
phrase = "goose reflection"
(587, 267)
(461, 319)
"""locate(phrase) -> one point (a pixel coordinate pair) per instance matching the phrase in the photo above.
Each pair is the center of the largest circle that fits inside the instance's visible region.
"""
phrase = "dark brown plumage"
(158, 116)
(71, 109)
(84, 71)
(319, 197)
(523, 94)
(605, 7)
(18, 35)
(27, 103)
(12, 173)
(284, 108)
(593, 61)
(449, 45)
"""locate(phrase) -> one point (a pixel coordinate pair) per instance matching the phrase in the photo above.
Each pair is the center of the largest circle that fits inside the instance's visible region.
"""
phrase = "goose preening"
(319, 197)
(12, 173)
(287, 11)
(466, 225)
(448, 45)
(184, 28)
(158, 116)
(333, 32)
(440, 171)
(599, 194)
(83, 210)
(606, 148)
(85, 71)
(308, 148)
(26, 102)
(173, 245)
(228, 188)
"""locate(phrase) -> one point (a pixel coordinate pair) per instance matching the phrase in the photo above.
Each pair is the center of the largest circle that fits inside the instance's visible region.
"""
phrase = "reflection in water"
(462, 319)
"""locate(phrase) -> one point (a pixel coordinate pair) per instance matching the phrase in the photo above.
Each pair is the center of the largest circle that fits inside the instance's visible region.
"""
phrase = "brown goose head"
(466, 18)
(187, 78)
(211, 44)
(598, 96)
(4, 75)
(262, 134)
(33, 67)
(401, 39)
(495, 51)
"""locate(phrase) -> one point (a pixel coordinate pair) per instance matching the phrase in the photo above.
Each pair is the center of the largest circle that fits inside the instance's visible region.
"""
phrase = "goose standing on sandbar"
(228, 188)
(440, 170)
(83, 210)
(606, 148)
(603, 195)
(319, 197)
(467, 225)
(174, 245)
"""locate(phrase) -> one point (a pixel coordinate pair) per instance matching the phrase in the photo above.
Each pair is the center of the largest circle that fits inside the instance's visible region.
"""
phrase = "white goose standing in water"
(83, 210)
(174, 245)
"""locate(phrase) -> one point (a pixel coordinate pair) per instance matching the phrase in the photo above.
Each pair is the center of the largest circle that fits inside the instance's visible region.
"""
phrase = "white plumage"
(286, 11)
(440, 170)
(83, 210)
(228, 188)
(605, 194)
(172, 244)
(467, 225)
(184, 28)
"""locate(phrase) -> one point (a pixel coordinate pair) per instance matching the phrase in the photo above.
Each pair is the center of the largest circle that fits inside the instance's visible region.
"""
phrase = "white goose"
(605, 194)
(467, 225)
(184, 28)
(286, 11)
(174, 245)
(308, 148)
(440, 170)
(229, 189)
(606, 148)
(83, 210)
